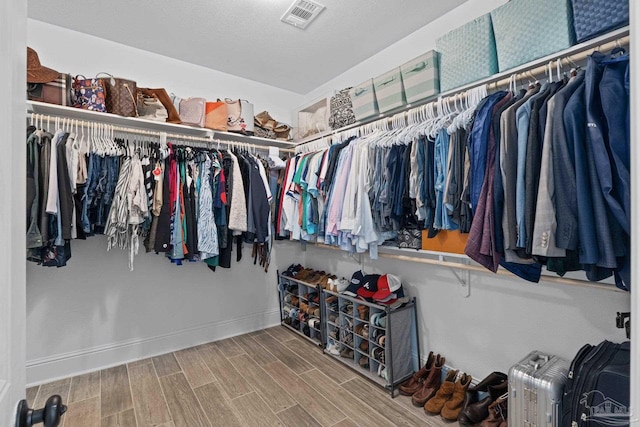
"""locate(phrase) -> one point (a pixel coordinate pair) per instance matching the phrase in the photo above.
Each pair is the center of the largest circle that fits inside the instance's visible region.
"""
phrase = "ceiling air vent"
(301, 13)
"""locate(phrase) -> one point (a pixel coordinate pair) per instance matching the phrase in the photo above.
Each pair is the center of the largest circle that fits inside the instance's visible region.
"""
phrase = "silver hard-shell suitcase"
(536, 386)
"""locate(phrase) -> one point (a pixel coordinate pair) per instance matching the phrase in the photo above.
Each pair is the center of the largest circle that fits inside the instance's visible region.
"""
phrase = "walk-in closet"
(319, 213)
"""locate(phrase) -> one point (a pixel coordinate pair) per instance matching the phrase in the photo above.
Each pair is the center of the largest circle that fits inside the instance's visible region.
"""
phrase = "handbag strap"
(133, 98)
(112, 80)
(237, 120)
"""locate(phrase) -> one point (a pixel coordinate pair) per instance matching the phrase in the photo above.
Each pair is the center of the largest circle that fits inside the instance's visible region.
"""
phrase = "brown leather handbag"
(120, 96)
(165, 99)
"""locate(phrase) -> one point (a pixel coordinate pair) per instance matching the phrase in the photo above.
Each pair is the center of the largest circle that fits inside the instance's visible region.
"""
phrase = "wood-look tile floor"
(266, 378)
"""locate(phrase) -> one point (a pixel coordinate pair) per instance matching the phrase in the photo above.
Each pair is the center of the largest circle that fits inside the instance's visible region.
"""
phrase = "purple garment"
(481, 244)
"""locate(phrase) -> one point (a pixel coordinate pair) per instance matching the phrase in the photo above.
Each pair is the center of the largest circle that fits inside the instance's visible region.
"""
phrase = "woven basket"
(467, 53)
(594, 17)
(420, 77)
(530, 29)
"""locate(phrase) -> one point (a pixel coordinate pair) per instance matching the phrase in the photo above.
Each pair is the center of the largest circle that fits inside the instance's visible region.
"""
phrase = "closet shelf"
(463, 262)
(148, 125)
(581, 48)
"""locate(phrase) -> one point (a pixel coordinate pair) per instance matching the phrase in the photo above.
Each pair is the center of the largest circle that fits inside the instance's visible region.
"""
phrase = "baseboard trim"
(64, 365)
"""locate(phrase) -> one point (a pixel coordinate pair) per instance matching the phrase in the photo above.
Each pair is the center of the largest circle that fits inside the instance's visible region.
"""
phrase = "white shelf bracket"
(462, 275)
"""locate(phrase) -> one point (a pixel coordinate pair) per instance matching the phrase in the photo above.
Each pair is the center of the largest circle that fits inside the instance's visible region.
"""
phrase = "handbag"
(282, 131)
(56, 92)
(410, 238)
(89, 94)
(165, 99)
(240, 116)
(120, 96)
(150, 108)
(216, 115)
(341, 110)
(266, 126)
(192, 111)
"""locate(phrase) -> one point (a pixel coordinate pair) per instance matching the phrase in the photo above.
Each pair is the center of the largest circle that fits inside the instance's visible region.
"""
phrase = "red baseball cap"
(387, 285)
(369, 285)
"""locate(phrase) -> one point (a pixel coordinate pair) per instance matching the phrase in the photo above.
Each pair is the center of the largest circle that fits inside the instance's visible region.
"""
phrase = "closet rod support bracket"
(463, 276)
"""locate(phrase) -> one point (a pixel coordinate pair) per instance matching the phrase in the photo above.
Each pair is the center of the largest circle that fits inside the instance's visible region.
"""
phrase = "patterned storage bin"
(530, 29)
(389, 90)
(594, 17)
(420, 77)
(363, 100)
(467, 53)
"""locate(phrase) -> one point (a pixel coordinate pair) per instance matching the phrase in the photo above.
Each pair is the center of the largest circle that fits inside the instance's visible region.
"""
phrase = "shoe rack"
(300, 308)
(373, 340)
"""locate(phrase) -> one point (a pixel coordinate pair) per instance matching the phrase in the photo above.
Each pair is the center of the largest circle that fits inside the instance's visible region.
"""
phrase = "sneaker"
(332, 348)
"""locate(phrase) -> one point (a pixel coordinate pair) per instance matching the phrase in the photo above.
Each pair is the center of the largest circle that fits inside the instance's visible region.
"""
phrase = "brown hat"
(36, 73)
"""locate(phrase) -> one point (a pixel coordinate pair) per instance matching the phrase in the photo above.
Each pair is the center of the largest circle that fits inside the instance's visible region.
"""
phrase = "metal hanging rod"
(65, 121)
(501, 272)
(480, 269)
(149, 127)
(575, 53)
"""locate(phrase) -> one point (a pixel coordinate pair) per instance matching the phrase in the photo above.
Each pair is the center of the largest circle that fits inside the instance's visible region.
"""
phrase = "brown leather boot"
(453, 406)
(435, 404)
(474, 413)
(431, 384)
(414, 383)
(497, 413)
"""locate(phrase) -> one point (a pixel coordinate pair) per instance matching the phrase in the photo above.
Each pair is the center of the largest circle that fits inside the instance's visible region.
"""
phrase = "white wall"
(76, 53)
(13, 15)
(413, 45)
(95, 312)
(500, 322)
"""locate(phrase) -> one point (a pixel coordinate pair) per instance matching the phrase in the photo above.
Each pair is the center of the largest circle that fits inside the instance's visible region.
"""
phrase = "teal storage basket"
(467, 53)
(526, 30)
(420, 77)
(363, 100)
(389, 90)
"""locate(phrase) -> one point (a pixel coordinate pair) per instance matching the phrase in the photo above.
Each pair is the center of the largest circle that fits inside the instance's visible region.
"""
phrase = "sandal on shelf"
(264, 120)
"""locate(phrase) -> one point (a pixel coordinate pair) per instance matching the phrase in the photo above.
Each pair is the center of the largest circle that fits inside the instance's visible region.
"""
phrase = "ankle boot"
(453, 406)
(470, 398)
(431, 384)
(475, 412)
(436, 403)
(497, 413)
(497, 390)
(491, 379)
(414, 383)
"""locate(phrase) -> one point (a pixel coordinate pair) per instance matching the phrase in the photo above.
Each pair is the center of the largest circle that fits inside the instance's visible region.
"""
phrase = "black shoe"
(493, 378)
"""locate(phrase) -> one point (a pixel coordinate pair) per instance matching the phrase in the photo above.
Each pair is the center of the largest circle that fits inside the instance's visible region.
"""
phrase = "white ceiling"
(246, 37)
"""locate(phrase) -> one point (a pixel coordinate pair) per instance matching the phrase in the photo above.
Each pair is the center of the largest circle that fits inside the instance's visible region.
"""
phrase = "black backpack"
(598, 387)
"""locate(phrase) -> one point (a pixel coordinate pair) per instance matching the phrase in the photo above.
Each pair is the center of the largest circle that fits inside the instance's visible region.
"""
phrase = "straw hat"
(36, 73)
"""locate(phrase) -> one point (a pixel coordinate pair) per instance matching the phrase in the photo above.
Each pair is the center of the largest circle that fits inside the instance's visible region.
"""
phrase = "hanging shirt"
(442, 219)
(478, 141)
(207, 229)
